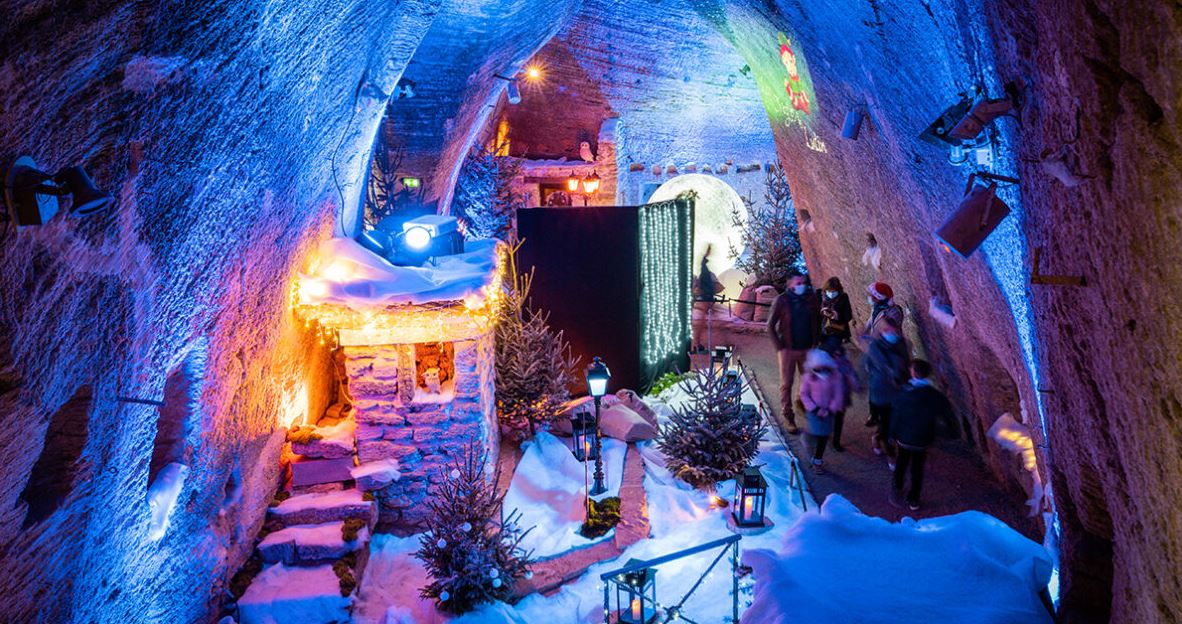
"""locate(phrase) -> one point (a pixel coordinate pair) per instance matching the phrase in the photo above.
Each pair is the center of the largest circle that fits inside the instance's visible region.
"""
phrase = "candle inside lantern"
(586, 448)
(748, 503)
(635, 609)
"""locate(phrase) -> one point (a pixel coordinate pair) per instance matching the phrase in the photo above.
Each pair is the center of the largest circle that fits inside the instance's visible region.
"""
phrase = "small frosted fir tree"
(533, 362)
(770, 234)
(709, 439)
(471, 550)
(485, 201)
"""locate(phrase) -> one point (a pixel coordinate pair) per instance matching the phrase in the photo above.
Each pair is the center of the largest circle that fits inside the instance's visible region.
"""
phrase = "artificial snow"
(281, 595)
(162, 496)
(377, 474)
(548, 490)
(876, 571)
(310, 542)
(841, 566)
(354, 276)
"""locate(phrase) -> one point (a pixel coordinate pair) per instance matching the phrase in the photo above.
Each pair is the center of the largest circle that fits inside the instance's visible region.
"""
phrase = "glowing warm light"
(636, 609)
(314, 288)
(590, 183)
(748, 506)
(338, 272)
(533, 72)
(418, 238)
(572, 183)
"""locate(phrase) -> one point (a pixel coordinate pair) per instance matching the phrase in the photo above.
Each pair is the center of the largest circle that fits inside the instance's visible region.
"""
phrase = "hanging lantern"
(591, 183)
(636, 595)
(572, 183)
(585, 437)
(750, 498)
(720, 359)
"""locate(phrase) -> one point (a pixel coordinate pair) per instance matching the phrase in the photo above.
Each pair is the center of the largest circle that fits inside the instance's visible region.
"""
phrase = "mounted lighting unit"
(591, 183)
(411, 183)
(426, 237)
(31, 195)
(572, 183)
(853, 124)
(980, 115)
(979, 213)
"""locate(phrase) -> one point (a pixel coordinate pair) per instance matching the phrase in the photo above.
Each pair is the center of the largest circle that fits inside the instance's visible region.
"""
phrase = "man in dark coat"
(794, 325)
(915, 416)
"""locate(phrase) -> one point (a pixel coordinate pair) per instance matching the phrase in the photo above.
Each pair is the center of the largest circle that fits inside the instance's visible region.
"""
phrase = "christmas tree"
(770, 234)
(533, 362)
(710, 438)
(471, 549)
(485, 200)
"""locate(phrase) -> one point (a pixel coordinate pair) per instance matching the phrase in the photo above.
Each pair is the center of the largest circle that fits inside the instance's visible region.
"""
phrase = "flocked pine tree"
(533, 362)
(770, 234)
(485, 200)
(709, 438)
(471, 549)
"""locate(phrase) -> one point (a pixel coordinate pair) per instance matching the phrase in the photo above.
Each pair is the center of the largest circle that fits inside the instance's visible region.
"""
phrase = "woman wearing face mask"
(822, 391)
(836, 311)
(881, 298)
(886, 360)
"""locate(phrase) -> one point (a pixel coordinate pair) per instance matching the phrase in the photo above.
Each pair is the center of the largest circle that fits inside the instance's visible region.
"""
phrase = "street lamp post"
(597, 376)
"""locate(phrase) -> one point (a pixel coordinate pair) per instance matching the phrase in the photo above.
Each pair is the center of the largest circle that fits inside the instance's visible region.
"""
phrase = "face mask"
(831, 294)
(798, 289)
(870, 300)
(891, 338)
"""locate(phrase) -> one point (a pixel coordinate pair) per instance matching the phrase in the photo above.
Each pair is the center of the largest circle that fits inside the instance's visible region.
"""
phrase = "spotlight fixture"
(853, 124)
(980, 115)
(938, 132)
(31, 195)
(513, 93)
(979, 213)
(426, 237)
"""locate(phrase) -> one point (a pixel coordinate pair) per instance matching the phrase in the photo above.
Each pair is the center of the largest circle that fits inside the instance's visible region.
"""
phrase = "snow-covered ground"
(548, 490)
(835, 566)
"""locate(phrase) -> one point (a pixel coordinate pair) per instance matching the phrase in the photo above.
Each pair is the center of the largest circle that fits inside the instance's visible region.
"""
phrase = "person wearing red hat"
(882, 308)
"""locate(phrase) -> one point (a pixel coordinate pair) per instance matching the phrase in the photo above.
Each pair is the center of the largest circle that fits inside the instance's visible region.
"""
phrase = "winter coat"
(779, 320)
(886, 369)
(890, 312)
(843, 314)
(851, 382)
(915, 414)
(821, 393)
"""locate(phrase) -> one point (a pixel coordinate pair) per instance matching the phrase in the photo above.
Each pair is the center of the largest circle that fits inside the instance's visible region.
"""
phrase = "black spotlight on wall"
(853, 123)
(979, 213)
(31, 195)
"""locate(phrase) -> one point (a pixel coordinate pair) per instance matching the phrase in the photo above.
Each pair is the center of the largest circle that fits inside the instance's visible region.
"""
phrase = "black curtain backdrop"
(588, 279)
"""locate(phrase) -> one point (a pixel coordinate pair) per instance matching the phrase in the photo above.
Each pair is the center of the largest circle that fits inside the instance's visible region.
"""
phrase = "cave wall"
(231, 134)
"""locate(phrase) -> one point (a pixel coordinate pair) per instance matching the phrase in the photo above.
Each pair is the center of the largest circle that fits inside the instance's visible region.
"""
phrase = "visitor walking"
(850, 383)
(706, 290)
(915, 415)
(886, 372)
(881, 298)
(794, 325)
(823, 394)
(836, 311)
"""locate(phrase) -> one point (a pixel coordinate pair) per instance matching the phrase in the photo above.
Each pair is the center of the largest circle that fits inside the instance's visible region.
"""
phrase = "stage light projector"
(433, 235)
(980, 115)
(938, 133)
(979, 213)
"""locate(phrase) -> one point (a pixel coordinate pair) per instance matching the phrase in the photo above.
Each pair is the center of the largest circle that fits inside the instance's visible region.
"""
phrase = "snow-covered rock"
(321, 507)
(333, 442)
(376, 475)
(304, 543)
(842, 566)
(294, 595)
(162, 496)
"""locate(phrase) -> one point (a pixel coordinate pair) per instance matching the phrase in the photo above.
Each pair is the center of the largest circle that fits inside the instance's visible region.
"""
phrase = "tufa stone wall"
(425, 433)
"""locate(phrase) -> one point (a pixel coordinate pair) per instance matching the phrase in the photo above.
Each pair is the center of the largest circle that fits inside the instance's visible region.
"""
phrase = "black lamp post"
(597, 377)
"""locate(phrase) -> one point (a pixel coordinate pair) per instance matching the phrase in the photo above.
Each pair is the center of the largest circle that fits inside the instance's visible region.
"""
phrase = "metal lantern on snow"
(585, 437)
(750, 498)
(636, 595)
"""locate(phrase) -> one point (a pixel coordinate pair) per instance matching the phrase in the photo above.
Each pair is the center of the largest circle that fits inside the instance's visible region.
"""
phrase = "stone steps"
(322, 507)
(311, 544)
(282, 594)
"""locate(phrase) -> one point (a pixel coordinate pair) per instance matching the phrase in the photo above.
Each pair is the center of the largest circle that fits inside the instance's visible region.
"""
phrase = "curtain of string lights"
(666, 272)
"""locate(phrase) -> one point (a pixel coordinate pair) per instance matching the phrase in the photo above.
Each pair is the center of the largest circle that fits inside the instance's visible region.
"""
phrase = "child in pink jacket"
(822, 390)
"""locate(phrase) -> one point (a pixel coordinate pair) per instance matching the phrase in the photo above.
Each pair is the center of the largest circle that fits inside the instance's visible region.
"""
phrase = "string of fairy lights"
(336, 324)
(665, 302)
